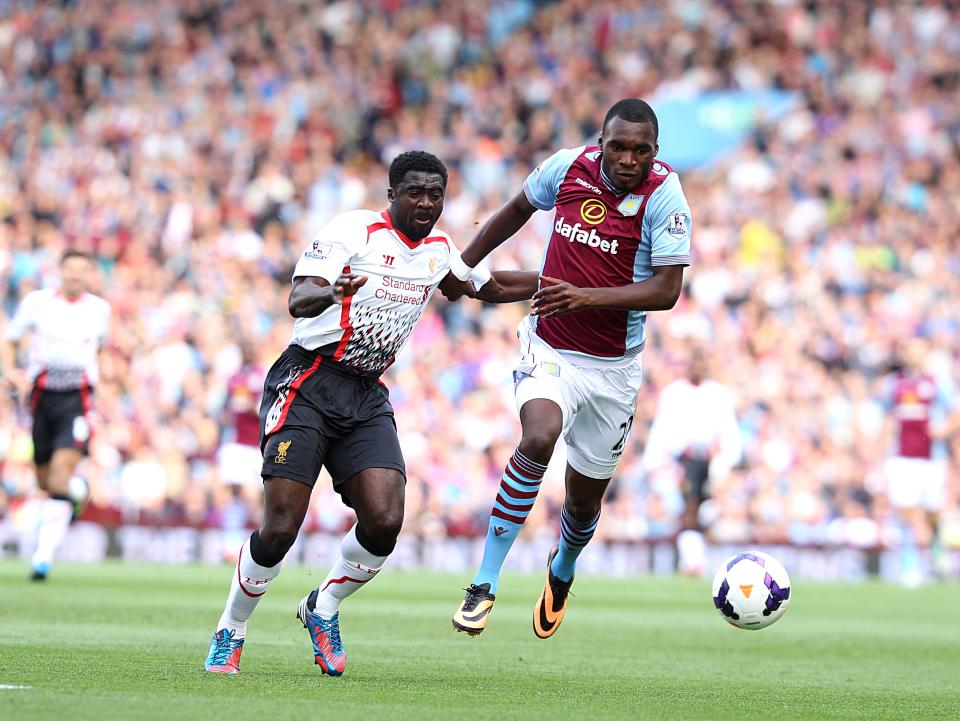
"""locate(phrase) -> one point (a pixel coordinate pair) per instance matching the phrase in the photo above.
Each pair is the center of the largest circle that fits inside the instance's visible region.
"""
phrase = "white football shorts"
(916, 483)
(598, 398)
(239, 465)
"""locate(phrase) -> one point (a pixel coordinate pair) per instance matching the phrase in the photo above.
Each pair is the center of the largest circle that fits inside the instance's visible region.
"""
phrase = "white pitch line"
(7, 687)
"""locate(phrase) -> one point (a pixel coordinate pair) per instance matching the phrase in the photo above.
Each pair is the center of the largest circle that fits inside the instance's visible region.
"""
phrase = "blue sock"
(518, 492)
(909, 554)
(574, 537)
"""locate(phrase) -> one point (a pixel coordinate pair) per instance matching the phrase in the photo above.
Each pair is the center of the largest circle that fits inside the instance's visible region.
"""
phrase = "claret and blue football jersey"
(603, 237)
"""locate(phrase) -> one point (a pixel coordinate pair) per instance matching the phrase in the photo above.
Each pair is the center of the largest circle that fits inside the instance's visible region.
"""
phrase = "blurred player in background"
(358, 292)
(920, 410)
(695, 429)
(239, 458)
(619, 243)
(67, 327)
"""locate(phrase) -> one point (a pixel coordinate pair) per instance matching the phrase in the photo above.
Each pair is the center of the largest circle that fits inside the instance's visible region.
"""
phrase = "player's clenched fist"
(16, 382)
(556, 297)
(453, 288)
(346, 285)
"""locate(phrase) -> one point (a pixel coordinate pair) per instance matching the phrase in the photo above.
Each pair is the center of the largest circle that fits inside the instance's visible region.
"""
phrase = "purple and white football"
(751, 590)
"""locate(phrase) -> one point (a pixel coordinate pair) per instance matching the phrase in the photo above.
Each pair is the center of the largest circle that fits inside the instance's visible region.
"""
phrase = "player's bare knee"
(583, 509)
(379, 533)
(58, 481)
(539, 440)
(43, 476)
(279, 533)
(62, 466)
(278, 543)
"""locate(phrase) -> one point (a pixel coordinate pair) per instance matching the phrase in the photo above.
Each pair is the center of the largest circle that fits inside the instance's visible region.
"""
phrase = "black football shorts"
(696, 475)
(318, 412)
(60, 420)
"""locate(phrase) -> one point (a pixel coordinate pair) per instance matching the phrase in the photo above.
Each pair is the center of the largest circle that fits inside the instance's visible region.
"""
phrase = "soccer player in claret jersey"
(358, 291)
(618, 246)
(68, 326)
(238, 458)
(922, 413)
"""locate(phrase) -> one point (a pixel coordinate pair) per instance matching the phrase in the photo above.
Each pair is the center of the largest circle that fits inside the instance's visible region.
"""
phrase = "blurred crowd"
(193, 147)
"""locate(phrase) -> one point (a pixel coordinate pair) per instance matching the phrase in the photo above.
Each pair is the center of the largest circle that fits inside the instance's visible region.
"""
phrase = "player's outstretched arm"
(500, 226)
(659, 292)
(12, 379)
(509, 286)
(310, 295)
(8, 355)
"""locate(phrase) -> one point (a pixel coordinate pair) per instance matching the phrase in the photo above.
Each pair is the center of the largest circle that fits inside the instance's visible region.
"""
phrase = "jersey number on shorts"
(617, 450)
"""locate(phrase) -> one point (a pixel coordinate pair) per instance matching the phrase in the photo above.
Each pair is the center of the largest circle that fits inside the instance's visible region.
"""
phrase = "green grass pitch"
(127, 642)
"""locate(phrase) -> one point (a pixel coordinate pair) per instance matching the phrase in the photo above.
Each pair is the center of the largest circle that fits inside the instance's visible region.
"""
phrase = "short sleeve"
(543, 184)
(668, 221)
(25, 317)
(947, 399)
(333, 248)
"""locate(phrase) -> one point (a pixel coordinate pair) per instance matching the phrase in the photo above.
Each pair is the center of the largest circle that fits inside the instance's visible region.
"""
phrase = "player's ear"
(656, 149)
(391, 196)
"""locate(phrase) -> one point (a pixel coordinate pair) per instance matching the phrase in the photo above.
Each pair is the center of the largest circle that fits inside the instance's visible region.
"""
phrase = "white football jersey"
(369, 328)
(66, 337)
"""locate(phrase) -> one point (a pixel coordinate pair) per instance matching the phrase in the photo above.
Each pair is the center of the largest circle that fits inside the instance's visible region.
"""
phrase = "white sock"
(691, 552)
(250, 582)
(355, 566)
(55, 515)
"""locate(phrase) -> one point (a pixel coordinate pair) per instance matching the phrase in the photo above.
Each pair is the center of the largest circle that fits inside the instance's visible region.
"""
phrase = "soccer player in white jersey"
(694, 431)
(358, 291)
(68, 326)
(618, 246)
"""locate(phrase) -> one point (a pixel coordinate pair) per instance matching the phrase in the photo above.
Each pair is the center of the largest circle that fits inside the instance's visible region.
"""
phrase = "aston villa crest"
(631, 204)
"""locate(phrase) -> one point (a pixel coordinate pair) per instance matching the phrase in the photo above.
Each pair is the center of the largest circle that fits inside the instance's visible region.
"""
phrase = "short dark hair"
(416, 160)
(633, 110)
(73, 253)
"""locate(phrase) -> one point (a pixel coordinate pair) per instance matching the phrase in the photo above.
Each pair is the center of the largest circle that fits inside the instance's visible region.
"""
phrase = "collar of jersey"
(606, 181)
(60, 294)
(406, 241)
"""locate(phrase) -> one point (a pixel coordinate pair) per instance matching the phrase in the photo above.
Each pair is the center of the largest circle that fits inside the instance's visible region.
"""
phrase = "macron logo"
(585, 184)
(576, 233)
